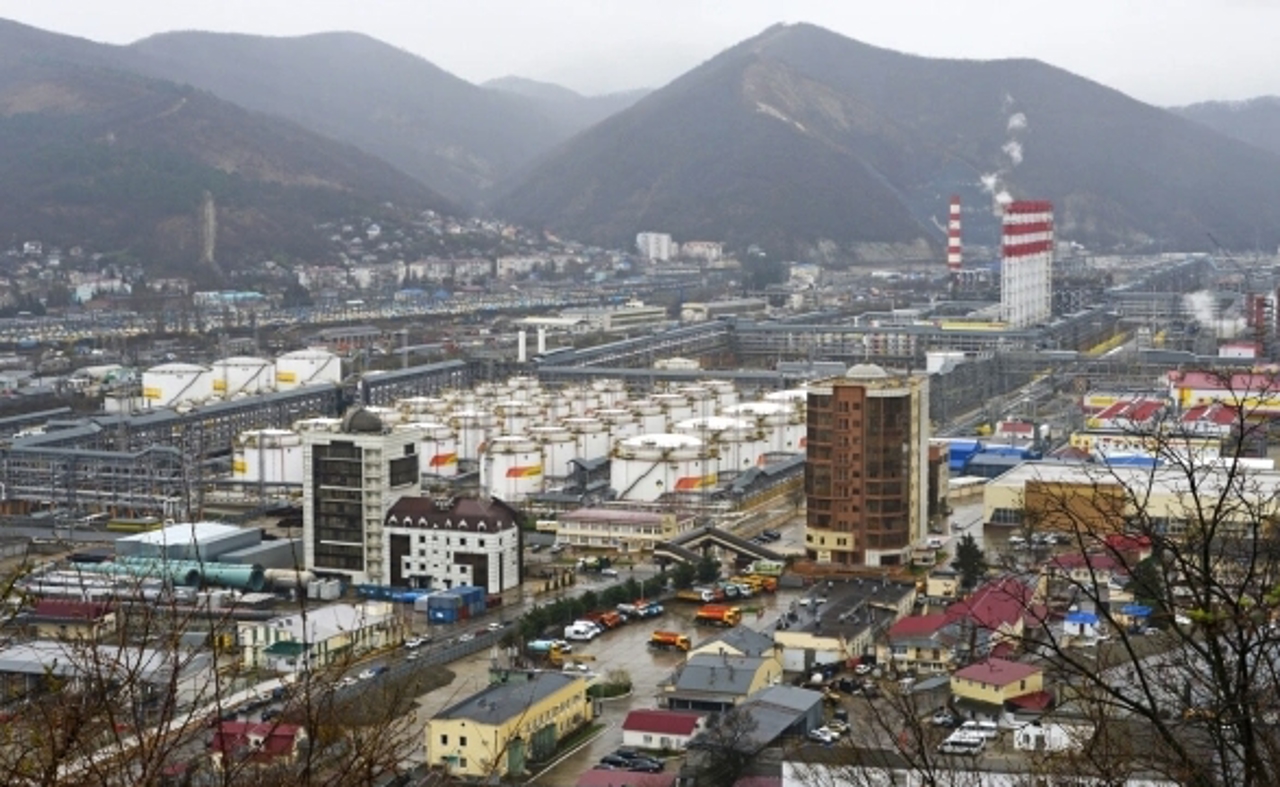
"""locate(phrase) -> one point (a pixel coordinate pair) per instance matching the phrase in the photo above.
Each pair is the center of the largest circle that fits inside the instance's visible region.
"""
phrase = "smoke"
(1013, 149)
(1201, 305)
(993, 182)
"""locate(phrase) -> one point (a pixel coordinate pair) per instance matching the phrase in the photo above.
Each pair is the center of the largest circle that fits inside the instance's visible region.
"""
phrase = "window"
(444, 740)
(648, 739)
(462, 740)
(1023, 685)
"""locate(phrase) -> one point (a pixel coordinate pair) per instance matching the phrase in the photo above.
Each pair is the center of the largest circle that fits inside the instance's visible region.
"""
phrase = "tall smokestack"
(522, 347)
(542, 339)
(954, 260)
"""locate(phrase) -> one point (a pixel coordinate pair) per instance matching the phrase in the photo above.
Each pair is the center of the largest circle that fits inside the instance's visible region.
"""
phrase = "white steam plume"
(1013, 149)
(1017, 122)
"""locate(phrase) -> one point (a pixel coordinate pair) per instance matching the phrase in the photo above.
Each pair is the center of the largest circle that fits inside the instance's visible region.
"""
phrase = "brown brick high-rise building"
(867, 467)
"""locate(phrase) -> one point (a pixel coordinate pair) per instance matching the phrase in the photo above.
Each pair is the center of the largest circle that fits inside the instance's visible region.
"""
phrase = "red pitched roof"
(620, 778)
(278, 740)
(995, 604)
(62, 609)
(663, 722)
(1237, 384)
(1217, 414)
(997, 672)
(918, 625)
(1036, 700)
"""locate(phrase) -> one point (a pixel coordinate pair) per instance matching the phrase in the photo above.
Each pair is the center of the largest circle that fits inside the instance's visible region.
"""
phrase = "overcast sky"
(1161, 51)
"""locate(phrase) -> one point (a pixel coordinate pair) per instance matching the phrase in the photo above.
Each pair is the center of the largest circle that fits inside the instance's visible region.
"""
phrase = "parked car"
(984, 729)
(467, 637)
(628, 754)
(608, 572)
(772, 535)
(822, 735)
(494, 627)
(556, 549)
(944, 719)
(415, 643)
(645, 765)
(615, 761)
(368, 674)
(838, 727)
(862, 669)
(535, 548)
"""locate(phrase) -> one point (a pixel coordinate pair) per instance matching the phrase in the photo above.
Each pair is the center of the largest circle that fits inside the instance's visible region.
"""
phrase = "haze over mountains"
(1256, 121)
(799, 140)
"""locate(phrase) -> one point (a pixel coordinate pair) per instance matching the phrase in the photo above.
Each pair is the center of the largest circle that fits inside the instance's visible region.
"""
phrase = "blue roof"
(1082, 618)
(1136, 610)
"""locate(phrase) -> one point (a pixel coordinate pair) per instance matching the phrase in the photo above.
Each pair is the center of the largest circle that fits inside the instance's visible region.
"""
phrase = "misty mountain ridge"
(573, 108)
(93, 154)
(804, 140)
(1255, 120)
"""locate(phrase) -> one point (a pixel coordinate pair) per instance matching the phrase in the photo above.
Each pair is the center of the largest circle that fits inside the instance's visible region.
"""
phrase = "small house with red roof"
(1090, 570)
(265, 743)
(667, 730)
(64, 619)
(1209, 420)
(996, 612)
(991, 687)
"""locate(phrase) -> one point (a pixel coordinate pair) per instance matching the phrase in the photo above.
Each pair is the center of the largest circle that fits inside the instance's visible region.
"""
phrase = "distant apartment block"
(655, 246)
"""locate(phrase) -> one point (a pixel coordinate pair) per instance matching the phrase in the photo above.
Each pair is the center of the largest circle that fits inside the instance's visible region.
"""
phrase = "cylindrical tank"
(794, 397)
(523, 388)
(418, 407)
(675, 408)
(288, 578)
(268, 456)
(591, 436)
(172, 384)
(318, 425)
(725, 392)
(619, 423)
(778, 422)
(701, 400)
(736, 442)
(389, 416)
(242, 375)
(515, 417)
(473, 428)
(438, 450)
(307, 367)
(653, 419)
(558, 448)
(580, 399)
(647, 466)
(611, 391)
(511, 468)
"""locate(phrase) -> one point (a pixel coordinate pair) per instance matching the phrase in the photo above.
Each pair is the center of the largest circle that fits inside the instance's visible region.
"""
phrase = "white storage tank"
(701, 400)
(647, 466)
(268, 456)
(473, 428)
(242, 375)
(416, 408)
(556, 406)
(389, 416)
(736, 442)
(725, 392)
(591, 436)
(511, 468)
(782, 426)
(619, 424)
(523, 388)
(307, 367)
(318, 425)
(173, 384)
(438, 450)
(513, 416)
(611, 391)
(675, 408)
(793, 397)
(558, 449)
(651, 416)
(580, 400)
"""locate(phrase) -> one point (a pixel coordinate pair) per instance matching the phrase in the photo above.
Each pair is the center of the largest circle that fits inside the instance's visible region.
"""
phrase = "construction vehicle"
(701, 595)
(767, 584)
(718, 615)
(545, 650)
(640, 609)
(766, 568)
(605, 620)
(668, 640)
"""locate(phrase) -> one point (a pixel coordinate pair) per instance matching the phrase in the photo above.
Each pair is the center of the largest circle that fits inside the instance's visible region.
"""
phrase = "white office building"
(655, 246)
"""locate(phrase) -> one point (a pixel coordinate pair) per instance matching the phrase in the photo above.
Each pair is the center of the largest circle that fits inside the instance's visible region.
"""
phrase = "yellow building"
(995, 681)
(323, 636)
(624, 529)
(1100, 500)
(72, 620)
(943, 583)
(496, 732)
(715, 683)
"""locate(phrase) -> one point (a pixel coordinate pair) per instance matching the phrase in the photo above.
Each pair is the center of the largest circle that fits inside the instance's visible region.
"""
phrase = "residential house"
(989, 688)
(847, 626)
(921, 644)
(664, 730)
(72, 620)
(258, 743)
(738, 641)
(497, 731)
(317, 638)
(715, 683)
(942, 583)
(995, 617)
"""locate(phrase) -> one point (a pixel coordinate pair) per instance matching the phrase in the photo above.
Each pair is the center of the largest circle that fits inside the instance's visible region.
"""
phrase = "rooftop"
(742, 639)
(502, 701)
(716, 674)
(325, 622)
(183, 533)
(997, 603)
(666, 722)
(619, 515)
(853, 605)
(1166, 480)
(996, 672)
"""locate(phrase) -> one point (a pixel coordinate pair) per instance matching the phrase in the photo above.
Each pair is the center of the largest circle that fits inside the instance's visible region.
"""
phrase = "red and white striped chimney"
(954, 261)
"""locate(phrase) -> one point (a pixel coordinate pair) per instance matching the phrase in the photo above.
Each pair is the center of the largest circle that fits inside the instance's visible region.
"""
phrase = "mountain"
(571, 108)
(1256, 121)
(801, 140)
(94, 155)
(458, 138)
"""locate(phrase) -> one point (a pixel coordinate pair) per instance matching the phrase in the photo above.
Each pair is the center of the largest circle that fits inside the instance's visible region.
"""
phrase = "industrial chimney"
(954, 260)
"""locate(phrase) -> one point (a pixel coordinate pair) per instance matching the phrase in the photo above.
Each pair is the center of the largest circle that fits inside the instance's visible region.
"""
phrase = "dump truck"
(718, 615)
(702, 595)
(606, 620)
(668, 640)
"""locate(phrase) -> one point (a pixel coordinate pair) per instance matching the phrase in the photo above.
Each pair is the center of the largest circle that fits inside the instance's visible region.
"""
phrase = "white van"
(985, 729)
(965, 745)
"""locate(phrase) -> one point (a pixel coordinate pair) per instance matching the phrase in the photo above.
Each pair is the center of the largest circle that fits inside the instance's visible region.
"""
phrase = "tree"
(721, 754)
(684, 575)
(970, 561)
(708, 569)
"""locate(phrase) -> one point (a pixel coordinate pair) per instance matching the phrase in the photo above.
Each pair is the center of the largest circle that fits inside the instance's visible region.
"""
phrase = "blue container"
(442, 615)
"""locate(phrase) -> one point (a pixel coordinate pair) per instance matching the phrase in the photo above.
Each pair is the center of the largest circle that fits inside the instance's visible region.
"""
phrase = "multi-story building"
(655, 246)
(354, 470)
(469, 542)
(625, 529)
(866, 476)
(298, 642)
(1026, 267)
(496, 731)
